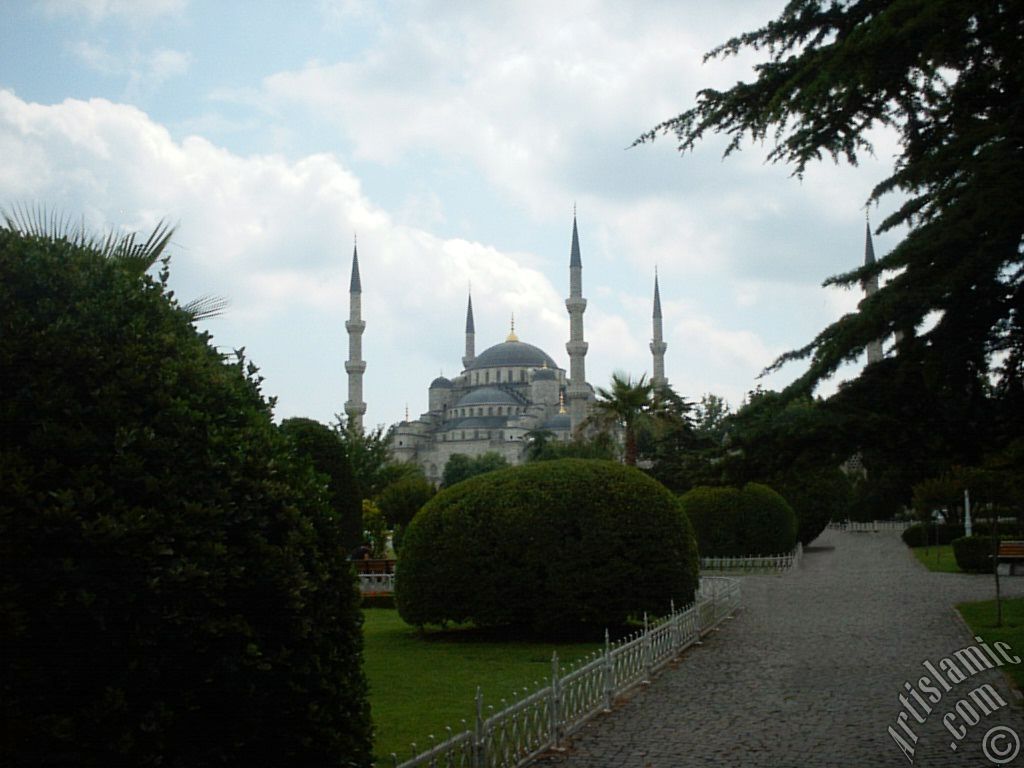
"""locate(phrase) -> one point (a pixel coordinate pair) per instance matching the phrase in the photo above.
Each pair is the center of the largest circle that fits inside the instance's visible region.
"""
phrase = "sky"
(454, 139)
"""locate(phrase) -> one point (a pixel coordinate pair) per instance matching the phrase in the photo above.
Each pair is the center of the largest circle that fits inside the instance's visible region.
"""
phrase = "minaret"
(870, 286)
(470, 355)
(577, 390)
(355, 366)
(658, 345)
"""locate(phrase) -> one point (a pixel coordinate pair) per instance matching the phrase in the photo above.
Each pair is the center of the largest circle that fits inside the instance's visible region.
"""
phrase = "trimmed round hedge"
(547, 545)
(733, 522)
(173, 589)
(974, 553)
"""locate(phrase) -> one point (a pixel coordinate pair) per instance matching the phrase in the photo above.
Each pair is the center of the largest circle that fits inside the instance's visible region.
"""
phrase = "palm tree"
(139, 257)
(626, 406)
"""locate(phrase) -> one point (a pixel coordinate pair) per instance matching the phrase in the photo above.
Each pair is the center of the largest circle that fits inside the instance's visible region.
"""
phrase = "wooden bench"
(1012, 552)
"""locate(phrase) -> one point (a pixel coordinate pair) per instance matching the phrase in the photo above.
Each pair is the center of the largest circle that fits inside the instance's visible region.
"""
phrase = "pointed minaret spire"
(658, 345)
(578, 390)
(470, 356)
(870, 286)
(355, 366)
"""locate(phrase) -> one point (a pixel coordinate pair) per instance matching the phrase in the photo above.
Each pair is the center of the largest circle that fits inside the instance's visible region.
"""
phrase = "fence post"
(609, 673)
(648, 651)
(555, 698)
(478, 731)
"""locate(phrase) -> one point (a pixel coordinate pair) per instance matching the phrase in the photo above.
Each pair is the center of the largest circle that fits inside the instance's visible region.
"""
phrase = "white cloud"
(275, 237)
(144, 71)
(98, 10)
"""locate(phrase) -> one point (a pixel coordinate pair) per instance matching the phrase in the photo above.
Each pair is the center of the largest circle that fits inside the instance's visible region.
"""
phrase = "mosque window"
(522, 374)
(463, 435)
(476, 434)
(487, 377)
(498, 376)
(490, 411)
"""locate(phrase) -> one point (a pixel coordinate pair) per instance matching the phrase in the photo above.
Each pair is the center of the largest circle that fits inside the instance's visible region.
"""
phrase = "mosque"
(505, 392)
(511, 388)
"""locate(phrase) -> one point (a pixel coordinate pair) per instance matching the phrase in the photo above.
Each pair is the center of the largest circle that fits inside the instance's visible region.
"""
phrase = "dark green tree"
(709, 418)
(171, 590)
(538, 443)
(369, 453)
(947, 76)
(401, 500)
(461, 467)
(323, 447)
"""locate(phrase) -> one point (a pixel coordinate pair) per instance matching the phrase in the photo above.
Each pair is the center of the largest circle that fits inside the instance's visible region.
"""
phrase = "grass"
(937, 558)
(981, 618)
(422, 681)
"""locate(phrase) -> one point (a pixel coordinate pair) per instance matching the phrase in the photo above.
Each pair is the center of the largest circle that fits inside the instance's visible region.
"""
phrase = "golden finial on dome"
(561, 401)
(512, 333)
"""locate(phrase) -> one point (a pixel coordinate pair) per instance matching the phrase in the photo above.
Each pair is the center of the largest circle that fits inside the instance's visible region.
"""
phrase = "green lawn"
(937, 558)
(981, 617)
(421, 682)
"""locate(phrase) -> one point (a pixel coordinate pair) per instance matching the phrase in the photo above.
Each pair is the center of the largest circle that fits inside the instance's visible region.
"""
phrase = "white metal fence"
(754, 562)
(371, 584)
(871, 526)
(542, 720)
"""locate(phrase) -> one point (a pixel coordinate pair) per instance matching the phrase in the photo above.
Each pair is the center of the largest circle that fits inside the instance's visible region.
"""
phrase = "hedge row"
(920, 535)
(547, 545)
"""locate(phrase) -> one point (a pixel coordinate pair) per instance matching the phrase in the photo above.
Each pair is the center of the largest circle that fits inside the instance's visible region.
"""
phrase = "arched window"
(487, 377)
(490, 412)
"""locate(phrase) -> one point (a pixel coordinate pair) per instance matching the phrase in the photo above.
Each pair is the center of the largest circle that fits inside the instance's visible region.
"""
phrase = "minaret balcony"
(358, 326)
(575, 304)
(576, 348)
(355, 366)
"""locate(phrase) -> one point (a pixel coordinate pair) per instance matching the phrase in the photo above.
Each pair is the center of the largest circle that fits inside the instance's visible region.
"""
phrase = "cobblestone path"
(809, 672)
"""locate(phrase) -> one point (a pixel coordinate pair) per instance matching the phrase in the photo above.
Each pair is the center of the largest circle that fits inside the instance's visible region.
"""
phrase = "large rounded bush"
(547, 545)
(974, 553)
(817, 494)
(173, 589)
(733, 522)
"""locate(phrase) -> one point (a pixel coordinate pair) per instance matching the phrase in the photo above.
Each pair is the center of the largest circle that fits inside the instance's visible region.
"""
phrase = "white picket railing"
(542, 720)
(754, 562)
(871, 526)
(371, 584)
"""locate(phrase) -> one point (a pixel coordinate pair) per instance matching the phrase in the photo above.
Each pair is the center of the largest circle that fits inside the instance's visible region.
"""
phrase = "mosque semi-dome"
(513, 354)
(441, 383)
(487, 396)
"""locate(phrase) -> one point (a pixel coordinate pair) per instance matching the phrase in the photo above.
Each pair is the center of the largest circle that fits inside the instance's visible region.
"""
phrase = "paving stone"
(810, 670)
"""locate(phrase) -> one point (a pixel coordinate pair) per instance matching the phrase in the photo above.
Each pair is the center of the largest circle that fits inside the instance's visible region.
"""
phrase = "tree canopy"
(172, 586)
(946, 75)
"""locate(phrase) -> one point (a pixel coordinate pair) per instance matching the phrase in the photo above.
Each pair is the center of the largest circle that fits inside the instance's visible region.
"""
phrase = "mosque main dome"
(513, 354)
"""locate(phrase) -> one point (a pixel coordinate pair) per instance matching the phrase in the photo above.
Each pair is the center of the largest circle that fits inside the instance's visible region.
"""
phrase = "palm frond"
(123, 247)
(205, 307)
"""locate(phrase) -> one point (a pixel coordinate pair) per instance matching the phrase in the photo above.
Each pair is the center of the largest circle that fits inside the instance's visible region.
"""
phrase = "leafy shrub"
(547, 545)
(171, 590)
(921, 535)
(461, 467)
(973, 553)
(817, 494)
(401, 500)
(324, 447)
(375, 529)
(733, 522)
